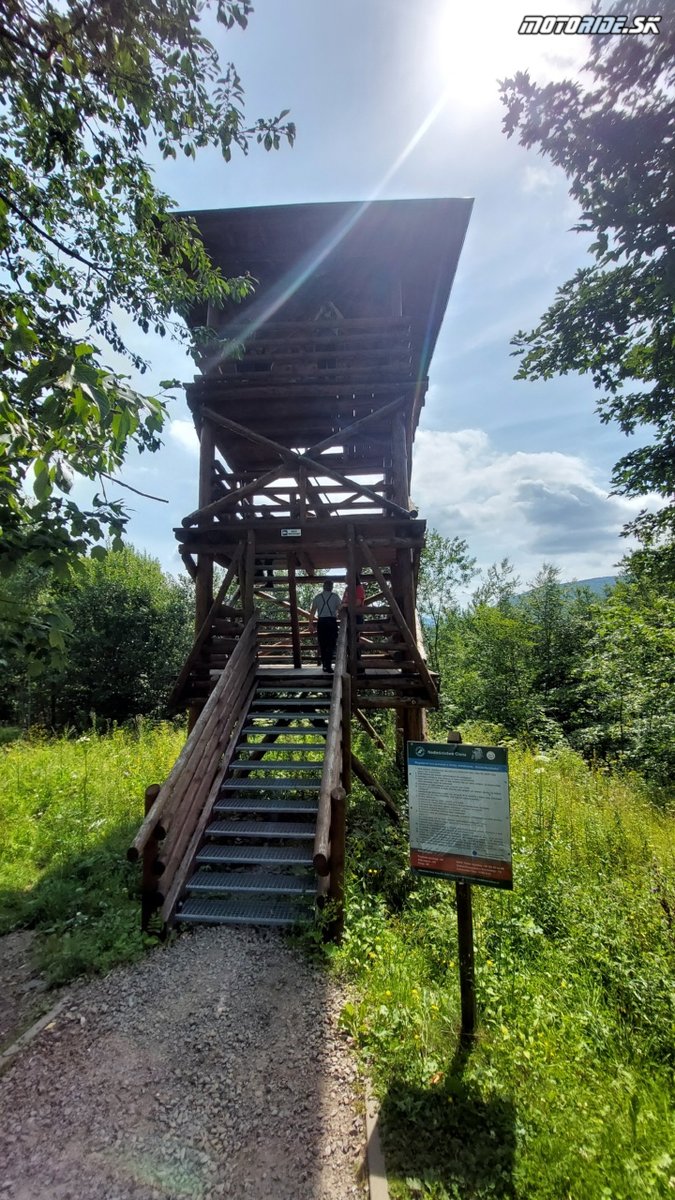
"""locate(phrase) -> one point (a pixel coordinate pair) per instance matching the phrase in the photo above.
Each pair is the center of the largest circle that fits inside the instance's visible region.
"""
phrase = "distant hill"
(597, 584)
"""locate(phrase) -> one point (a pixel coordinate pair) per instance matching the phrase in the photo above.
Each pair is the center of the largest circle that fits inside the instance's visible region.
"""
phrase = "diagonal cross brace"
(293, 458)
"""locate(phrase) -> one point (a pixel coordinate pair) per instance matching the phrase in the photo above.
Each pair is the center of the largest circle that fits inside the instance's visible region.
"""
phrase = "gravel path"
(212, 1069)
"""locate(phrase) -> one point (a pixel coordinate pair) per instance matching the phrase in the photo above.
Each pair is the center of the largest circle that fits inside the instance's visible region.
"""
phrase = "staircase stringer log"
(187, 862)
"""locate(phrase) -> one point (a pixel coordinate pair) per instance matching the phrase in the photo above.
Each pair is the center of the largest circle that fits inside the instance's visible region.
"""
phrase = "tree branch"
(48, 237)
(146, 495)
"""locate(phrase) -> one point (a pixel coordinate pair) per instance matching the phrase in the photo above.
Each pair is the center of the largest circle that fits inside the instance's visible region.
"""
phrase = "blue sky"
(516, 468)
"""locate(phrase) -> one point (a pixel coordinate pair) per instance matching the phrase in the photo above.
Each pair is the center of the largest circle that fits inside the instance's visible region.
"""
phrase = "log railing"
(181, 805)
(329, 842)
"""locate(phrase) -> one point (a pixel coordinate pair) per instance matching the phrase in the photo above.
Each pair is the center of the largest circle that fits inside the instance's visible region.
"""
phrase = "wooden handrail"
(188, 758)
(332, 761)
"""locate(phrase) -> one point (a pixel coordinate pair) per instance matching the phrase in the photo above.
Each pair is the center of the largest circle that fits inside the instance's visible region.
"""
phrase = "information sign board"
(460, 825)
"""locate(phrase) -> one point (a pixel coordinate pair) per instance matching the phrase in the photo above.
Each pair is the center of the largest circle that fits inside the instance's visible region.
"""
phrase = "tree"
(445, 566)
(613, 136)
(493, 675)
(498, 586)
(86, 239)
(130, 631)
(628, 672)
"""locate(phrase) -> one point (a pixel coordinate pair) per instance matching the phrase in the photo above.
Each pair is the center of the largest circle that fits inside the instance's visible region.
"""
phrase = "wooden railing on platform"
(329, 842)
(178, 812)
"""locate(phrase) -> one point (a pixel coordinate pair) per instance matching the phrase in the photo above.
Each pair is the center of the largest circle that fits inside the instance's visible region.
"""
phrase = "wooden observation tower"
(306, 409)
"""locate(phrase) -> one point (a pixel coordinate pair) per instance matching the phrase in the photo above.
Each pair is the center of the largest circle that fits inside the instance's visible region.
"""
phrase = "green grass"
(566, 1094)
(68, 810)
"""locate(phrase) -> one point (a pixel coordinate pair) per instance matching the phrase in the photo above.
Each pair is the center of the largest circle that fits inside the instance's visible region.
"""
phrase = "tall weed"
(566, 1093)
(68, 809)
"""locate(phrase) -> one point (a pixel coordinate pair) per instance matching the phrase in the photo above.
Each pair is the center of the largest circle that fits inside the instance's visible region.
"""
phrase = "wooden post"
(399, 461)
(467, 975)
(338, 826)
(204, 578)
(249, 576)
(347, 732)
(295, 623)
(351, 603)
(207, 451)
(400, 741)
(151, 899)
(302, 493)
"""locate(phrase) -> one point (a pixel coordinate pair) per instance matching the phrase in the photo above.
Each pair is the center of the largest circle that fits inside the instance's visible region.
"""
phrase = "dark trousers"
(327, 632)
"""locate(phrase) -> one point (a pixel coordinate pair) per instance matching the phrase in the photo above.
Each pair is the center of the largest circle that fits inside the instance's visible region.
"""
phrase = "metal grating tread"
(251, 881)
(243, 764)
(313, 730)
(290, 702)
(269, 785)
(270, 911)
(262, 829)
(297, 747)
(262, 804)
(278, 856)
(278, 713)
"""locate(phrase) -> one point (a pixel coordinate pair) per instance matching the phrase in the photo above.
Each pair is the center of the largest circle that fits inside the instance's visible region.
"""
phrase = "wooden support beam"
(319, 468)
(400, 462)
(368, 780)
(233, 497)
(400, 620)
(207, 450)
(370, 729)
(249, 576)
(295, 625)
(351, 604)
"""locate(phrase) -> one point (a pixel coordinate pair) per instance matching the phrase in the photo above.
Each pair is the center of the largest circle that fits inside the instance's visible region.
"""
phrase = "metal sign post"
(460, 829)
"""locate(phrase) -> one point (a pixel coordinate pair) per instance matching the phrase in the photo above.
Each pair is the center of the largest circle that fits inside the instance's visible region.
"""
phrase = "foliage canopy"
(88, 243)
(615, 319)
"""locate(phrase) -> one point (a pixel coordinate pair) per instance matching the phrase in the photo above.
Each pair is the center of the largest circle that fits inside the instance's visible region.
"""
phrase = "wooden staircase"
(250, 825)
(255, 863)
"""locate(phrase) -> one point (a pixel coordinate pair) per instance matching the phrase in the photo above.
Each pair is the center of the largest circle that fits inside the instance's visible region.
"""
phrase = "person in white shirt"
(325, 607)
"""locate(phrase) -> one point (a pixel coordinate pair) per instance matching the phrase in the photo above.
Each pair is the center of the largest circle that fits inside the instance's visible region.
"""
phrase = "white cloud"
(529, 506)
(539, 179)
(184, 433)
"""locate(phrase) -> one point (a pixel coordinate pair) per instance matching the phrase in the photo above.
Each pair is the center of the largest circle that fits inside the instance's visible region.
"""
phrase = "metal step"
(266, 804)
(287, 729)
(267, 911)
(283, 715)
(269, 856)
(309, 695)
(269, 785)
(262, 829)
(272, 747)
(242, 764)
(224, 882)
(289, 703)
